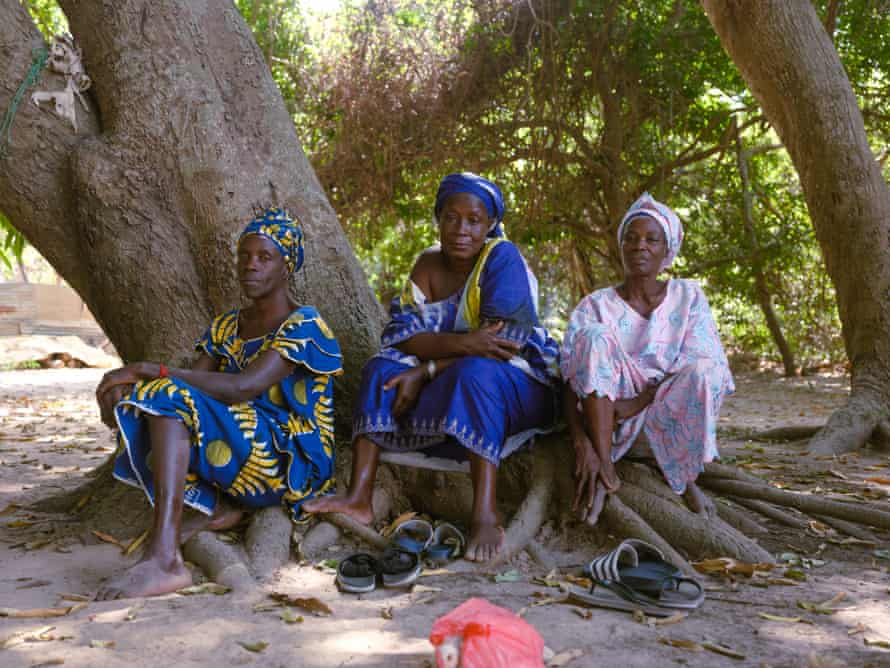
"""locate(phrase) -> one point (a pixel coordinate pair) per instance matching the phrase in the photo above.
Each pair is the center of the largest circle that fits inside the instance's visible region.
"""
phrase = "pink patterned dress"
(611, 350)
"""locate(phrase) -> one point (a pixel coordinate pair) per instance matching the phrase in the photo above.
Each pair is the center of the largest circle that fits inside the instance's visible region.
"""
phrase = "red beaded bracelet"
(163, 371)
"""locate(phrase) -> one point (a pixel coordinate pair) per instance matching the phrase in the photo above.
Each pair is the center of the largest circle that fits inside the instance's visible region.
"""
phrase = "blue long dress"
(489, 407)
(275, 449)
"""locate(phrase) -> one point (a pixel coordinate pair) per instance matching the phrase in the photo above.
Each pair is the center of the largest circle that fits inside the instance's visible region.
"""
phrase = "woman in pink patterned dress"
(645, 367)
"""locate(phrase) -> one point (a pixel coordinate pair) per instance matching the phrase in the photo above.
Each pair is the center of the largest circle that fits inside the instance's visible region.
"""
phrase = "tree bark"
(791, 66)
(139, 212)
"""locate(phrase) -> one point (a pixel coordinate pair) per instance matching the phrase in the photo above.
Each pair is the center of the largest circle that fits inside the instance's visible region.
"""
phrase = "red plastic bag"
(487, 636)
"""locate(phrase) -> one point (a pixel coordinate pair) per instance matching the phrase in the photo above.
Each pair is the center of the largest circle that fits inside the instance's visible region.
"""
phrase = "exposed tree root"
(541, 555)
(696, 535)
(716, 470)
(869, 514)
(532, 512)
(322, 535)
(850, 427)
(773, 513)
(357, 529)
(221, 562)
(267, 541)
(848, 528)
(794, 432)
(738, 520)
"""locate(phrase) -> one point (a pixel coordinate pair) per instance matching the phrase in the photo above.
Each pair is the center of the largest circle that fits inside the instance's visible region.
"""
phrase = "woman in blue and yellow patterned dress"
(250, 425)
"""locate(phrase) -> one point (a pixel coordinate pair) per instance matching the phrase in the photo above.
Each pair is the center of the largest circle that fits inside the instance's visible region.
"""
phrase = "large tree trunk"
(787, 58)
(139, 212)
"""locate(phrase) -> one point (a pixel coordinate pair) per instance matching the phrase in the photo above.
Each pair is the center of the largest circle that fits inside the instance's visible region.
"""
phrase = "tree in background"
(805, 92)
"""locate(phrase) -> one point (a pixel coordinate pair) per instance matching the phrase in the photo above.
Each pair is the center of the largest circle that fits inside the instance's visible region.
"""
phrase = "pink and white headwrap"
(646, 205)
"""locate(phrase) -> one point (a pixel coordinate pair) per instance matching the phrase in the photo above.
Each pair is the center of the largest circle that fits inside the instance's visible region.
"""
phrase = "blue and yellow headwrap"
(488, 192)
(275, 224)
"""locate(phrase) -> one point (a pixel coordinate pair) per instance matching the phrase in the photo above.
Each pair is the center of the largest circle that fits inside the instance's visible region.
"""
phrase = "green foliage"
(48, 17)
(13, 243)
(574, 110)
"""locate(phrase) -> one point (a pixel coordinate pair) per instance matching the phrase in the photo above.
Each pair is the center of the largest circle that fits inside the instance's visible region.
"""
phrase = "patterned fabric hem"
(610, 393)
(431, 432)
(139, 485)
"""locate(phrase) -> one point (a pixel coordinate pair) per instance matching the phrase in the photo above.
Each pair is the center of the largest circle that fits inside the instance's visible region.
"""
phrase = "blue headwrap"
(488, 192)
(275, 224)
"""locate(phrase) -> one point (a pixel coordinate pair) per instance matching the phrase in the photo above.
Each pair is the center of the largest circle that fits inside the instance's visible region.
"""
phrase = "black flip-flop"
(357, 573)
(638, 572)
(399, 568)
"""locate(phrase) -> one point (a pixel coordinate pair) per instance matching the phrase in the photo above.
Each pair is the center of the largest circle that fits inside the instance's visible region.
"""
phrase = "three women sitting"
(645, 370)
(466, 370)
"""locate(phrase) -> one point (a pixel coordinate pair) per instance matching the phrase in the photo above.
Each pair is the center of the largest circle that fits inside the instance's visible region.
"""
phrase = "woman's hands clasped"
(484, 342)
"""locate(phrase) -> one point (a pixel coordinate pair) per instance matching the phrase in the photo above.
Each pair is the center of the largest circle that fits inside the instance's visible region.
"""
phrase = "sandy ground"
(50, 436)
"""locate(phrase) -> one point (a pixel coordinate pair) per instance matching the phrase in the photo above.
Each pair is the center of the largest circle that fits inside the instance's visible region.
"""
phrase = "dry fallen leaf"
(102, 644)
(10, 509)
(288, 616)
(424, 589)
(583, 614)
(722, 649)
(673, 619)
(877, 643)
(313, 605)
(404, 517)
(79, 598)
(55, 661)
(107, 538)
(779, 618)
(564, 658)
(879, 480)
(204, 588)
(41, 612)
(254, 646)
(681, 643)
(859, 628)
(135, 543)
(265, 606)
(727, 566)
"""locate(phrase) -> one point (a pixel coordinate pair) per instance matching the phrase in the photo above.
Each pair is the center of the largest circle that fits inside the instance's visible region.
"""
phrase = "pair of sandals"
(636, 576)
(414, 541)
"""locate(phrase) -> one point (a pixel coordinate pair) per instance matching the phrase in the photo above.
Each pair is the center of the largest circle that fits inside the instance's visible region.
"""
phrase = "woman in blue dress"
(249, 425)
(465, 361)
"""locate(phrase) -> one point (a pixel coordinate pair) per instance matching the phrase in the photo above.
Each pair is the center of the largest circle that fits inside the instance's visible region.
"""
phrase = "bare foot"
(486, 540)
(358, 510)
(147, 578)
(225, 516)
(697, 501)
(609, 477)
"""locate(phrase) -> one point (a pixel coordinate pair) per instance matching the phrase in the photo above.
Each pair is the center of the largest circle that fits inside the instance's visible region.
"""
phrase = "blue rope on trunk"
(38, 60)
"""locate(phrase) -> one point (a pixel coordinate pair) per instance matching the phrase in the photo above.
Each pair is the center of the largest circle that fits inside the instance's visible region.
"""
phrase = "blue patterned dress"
(275, 449)
(489, 407)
